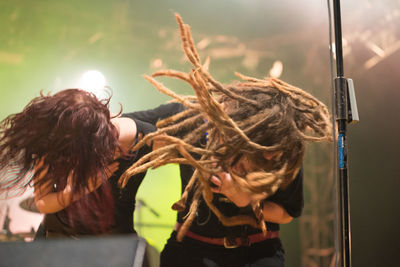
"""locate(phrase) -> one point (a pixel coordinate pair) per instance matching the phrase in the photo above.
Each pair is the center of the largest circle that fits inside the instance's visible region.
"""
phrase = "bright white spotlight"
(93, 81)
(276, 70)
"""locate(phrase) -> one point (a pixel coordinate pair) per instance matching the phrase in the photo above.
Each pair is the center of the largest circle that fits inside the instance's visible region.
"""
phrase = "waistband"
(231, 242)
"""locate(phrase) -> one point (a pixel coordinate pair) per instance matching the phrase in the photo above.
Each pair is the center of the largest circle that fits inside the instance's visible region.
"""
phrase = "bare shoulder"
(127, 131)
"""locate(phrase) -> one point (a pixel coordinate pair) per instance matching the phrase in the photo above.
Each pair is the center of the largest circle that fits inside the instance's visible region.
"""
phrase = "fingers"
(216, 184)
(70, 179)
(216, 181)
(222, 182)
(39, 164)
(224, 177)
(216, 190)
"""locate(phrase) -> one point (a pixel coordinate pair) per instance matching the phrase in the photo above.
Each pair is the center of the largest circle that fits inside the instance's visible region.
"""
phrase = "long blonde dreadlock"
(252, 118)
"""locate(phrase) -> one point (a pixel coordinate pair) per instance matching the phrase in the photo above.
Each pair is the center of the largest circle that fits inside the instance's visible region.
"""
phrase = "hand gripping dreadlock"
(253, 118)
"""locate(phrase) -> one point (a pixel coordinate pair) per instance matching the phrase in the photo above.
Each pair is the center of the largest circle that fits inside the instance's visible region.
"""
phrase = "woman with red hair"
(73, 151)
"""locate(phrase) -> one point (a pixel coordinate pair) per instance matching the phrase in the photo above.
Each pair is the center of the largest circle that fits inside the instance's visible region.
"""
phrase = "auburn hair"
(70, 130)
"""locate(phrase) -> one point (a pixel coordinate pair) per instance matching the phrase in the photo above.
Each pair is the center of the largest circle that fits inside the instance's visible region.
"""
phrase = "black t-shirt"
(161, 112)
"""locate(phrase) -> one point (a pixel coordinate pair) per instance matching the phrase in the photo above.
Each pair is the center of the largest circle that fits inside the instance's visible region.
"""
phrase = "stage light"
(276, 70)
(93, 81)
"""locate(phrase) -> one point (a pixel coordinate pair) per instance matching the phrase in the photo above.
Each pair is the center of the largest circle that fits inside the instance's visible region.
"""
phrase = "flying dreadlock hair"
(253, 118)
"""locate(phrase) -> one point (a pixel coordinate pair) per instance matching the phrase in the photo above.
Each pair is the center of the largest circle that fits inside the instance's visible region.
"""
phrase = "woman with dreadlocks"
(240, 148)
(73, 152)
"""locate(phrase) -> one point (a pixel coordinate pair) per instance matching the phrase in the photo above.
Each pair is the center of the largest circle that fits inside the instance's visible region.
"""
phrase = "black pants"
(193, 253)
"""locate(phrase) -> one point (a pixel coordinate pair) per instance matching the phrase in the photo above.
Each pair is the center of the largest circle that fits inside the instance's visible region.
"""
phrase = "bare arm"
(275, 213)
(50, 202)
(127, 130)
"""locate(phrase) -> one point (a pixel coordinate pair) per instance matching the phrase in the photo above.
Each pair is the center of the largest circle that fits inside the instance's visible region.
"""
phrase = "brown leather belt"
(231, 242)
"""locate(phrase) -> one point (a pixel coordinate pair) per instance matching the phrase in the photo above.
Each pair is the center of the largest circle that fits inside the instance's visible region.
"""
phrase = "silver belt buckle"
(230, 243)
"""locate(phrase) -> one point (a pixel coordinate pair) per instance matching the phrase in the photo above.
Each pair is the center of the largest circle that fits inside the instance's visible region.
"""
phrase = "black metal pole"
(341, 112)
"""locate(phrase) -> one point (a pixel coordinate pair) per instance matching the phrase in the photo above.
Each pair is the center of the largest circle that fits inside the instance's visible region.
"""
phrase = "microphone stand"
(140, 203)
(345, 111)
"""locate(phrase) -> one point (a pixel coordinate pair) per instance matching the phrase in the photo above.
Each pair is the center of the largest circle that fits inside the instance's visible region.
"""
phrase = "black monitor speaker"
(112, 251)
